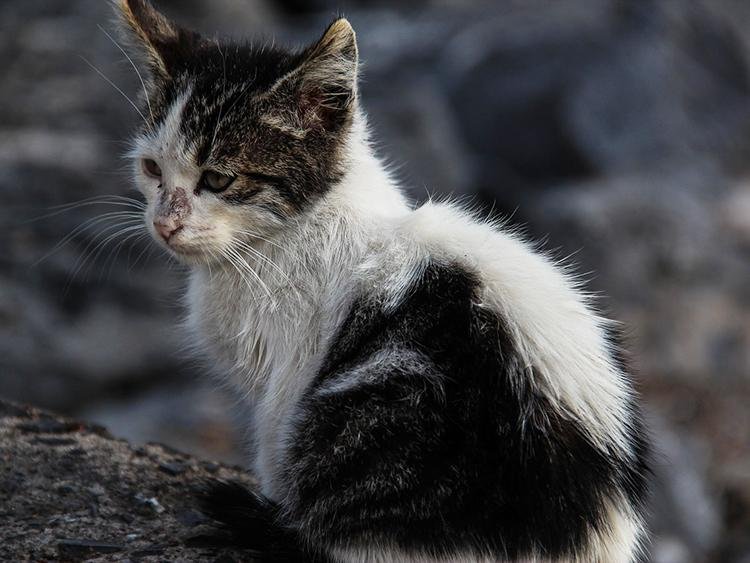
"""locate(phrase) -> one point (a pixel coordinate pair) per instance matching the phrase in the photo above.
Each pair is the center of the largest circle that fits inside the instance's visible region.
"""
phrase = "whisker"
(127, 227)
(112, 258)
(88, 251)
(255, 235)
(135, 68)
(132, 216)
(262, 257)
(99, 248)
(231, 252)
(237, 268)
(139, 237)
(116, 87)
(227, 252)
(59, 209)
(148, 250)
(96, 241)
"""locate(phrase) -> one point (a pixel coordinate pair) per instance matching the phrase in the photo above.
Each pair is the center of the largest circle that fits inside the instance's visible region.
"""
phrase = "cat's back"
(497, 419)
(549, 321)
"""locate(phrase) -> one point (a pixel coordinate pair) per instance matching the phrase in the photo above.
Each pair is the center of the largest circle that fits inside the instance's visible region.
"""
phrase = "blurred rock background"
(617, 131)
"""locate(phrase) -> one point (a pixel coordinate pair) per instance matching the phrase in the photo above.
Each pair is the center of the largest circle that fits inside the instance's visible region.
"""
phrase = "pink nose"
(167, 228)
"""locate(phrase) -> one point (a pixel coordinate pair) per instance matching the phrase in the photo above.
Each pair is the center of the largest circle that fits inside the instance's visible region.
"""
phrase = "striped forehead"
(208, 113)
(168, 139)
(172, 134)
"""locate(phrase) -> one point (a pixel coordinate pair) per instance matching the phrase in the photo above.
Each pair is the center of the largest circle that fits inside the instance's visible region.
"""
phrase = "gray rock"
(98, 497)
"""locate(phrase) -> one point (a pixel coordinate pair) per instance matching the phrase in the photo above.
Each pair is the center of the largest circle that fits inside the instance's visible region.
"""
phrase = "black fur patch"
(422, 431)
(253, 522)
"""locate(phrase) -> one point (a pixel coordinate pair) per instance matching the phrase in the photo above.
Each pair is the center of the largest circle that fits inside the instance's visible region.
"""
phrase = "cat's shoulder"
(499, 255)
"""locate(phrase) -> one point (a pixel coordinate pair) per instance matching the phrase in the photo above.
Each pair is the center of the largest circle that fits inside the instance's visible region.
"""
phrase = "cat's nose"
(167, 227)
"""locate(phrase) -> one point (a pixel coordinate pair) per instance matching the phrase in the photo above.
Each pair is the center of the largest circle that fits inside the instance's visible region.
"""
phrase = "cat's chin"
(188, 255)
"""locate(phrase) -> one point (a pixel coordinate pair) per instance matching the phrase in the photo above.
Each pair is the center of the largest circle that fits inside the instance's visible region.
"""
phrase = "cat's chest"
(255, 339)
(267, 350)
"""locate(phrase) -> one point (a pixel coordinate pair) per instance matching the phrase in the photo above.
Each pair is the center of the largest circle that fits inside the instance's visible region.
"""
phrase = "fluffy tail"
(253, 522)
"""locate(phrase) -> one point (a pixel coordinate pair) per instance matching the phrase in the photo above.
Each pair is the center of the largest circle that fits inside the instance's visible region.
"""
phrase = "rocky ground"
(72, 492)
(617, 131)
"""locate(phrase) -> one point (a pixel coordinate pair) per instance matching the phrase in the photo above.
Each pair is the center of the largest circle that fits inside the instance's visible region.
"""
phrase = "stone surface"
(70, 491)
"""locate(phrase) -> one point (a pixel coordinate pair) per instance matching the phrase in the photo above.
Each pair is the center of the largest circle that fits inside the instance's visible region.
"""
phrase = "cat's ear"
(322, 90)
(331, 63)
(160, 44)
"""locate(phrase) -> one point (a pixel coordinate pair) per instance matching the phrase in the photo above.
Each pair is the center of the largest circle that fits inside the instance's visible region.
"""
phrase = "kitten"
(423, 385)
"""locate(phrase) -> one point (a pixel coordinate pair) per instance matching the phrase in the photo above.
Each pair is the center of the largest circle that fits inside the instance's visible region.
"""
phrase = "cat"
(422, 385)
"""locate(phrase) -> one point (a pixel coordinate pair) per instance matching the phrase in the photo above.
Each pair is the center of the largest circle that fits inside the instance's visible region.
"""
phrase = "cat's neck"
(367, 190)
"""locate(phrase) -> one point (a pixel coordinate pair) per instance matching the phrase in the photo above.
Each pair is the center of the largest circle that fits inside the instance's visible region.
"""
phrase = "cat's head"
(237, 140)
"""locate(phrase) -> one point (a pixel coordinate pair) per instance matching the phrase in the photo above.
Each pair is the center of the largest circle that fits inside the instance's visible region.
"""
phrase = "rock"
(173, 467)
(97, 497)
(84, 549)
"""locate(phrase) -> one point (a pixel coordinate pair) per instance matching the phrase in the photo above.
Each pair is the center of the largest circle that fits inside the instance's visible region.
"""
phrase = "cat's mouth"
(182, 242)
(180, 248)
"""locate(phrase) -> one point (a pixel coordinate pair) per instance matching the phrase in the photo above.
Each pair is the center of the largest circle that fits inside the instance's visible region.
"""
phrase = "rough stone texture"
(72, 492)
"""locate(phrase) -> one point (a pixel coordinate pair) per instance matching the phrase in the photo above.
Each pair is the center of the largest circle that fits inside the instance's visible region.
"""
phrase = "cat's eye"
(151, 168)
(215, 181)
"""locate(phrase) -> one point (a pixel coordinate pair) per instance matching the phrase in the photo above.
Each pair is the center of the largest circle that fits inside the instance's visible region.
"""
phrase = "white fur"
(268, 342)
(620, 541)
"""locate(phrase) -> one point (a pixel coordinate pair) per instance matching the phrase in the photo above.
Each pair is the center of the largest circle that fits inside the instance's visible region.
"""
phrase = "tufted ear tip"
(339, 40)
(144, 19)
(341, 34)
(151, 33)
(332, 62)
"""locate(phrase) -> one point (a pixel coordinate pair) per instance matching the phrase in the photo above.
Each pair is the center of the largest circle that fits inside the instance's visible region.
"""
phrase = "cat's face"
(237, 141)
